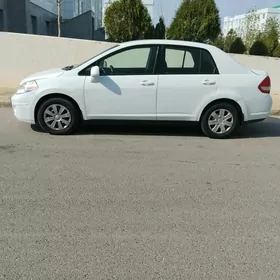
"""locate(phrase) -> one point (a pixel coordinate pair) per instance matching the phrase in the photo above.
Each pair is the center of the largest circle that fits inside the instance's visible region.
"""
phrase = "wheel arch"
(56, 95)
(224, 100)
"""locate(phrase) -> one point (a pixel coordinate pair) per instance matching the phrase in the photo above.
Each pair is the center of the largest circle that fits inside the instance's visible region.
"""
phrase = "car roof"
(225, 63)
(167, 42)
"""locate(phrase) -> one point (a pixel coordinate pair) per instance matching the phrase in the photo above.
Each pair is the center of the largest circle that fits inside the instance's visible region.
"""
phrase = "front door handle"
(147, 83)
(208, 83)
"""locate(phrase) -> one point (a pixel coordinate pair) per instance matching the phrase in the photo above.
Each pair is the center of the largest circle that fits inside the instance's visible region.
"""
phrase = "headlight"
(27, 87)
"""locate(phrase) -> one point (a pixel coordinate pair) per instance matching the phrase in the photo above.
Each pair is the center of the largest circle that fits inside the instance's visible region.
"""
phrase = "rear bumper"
(262, 110)
(254, 121)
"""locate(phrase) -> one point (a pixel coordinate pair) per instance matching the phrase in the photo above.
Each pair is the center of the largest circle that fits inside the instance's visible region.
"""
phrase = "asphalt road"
(139, 203)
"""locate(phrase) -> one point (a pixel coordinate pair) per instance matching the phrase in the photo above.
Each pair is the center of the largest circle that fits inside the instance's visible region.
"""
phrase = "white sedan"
(151, 80)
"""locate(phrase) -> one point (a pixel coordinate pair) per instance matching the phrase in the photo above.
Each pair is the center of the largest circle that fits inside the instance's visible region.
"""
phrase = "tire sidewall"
(204, 121)
(70, 107)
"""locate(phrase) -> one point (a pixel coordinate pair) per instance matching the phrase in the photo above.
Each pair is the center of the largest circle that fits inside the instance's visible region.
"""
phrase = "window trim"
(163, 47)
(84, 71)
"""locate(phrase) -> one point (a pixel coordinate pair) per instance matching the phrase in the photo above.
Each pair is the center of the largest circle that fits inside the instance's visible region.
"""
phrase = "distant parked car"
(153, 80)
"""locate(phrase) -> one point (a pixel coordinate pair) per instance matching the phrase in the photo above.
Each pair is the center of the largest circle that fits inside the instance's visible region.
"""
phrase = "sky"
(226, 7)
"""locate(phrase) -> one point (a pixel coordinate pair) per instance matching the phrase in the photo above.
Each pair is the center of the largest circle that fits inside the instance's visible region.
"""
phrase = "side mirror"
(94, 73)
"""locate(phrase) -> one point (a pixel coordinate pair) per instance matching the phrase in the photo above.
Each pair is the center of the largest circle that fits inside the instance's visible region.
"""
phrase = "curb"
(7, 104)
(275, 113)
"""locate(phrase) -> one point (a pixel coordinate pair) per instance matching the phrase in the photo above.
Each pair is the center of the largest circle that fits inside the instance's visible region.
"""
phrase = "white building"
(237, 22)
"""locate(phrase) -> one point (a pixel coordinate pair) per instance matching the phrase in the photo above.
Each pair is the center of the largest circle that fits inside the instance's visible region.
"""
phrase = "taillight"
(265, 85)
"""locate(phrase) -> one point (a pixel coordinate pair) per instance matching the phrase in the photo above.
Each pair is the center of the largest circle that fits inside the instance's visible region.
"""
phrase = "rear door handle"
(208, 83)
(147, 83)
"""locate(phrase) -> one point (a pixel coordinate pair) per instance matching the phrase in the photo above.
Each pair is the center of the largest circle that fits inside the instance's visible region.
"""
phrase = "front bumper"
(22, 107)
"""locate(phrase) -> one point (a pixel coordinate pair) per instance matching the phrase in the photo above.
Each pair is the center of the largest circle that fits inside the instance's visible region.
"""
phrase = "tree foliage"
(229, 39)
(150, 33)
(249, 29)
(160, 29)
(127, 20)
(237, 46)
(258, 48)
(270, 35)
(196, 20)
(219, 42)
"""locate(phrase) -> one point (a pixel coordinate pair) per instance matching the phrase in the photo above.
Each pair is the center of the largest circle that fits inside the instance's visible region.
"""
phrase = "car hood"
(44, 75)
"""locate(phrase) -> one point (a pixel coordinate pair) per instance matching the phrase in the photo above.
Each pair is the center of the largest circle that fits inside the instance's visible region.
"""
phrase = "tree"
(160, 29)
(258, 48)
(237, 46)
(59, 3)
(150, 33)
(196, 20)
(219, 42)
(127, 20)
(249, 29)
(271, 34)
(231, 36)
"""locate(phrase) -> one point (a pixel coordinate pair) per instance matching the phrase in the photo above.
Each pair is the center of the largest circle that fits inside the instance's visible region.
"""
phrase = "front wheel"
(58, 116)
(220, 121)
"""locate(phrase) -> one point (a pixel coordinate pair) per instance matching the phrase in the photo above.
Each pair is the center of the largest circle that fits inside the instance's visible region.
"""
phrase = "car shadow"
(265, 129)
(268, 128)
(134, 128)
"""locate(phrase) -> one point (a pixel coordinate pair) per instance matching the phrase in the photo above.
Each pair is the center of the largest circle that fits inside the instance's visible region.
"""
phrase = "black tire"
(74, 119)
(219, 135)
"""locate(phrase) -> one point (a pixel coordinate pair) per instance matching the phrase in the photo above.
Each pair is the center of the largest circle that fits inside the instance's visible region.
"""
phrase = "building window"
(1, 20)
(263, 16)
(48, 28)
(34, 25)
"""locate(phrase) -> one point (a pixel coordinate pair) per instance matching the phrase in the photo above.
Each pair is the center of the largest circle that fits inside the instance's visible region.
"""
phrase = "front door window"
(135, 61)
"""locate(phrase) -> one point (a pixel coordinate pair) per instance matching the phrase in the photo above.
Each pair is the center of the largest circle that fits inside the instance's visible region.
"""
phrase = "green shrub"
(259, 48)
(219, 42)
(276, 52)
(237, 46)
(231, 36)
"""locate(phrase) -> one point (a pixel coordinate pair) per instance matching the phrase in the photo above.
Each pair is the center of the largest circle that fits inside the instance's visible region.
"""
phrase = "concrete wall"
(23, 54)
(269, 64)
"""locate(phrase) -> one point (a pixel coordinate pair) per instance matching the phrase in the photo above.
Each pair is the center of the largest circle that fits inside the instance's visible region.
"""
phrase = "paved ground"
(135, 203)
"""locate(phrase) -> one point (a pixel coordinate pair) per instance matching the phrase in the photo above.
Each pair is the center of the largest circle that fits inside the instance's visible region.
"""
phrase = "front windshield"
(78, 65)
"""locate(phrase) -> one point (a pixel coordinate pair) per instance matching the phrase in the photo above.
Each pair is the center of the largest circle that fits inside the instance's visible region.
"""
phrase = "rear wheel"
(220, 121)
(58, 116)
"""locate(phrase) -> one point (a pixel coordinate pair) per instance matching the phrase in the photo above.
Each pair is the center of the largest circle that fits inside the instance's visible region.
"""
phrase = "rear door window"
(186, 60)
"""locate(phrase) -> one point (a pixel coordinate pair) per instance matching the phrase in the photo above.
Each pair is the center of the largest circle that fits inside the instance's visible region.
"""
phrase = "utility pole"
(59, 18)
